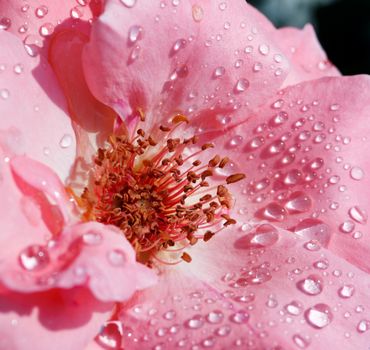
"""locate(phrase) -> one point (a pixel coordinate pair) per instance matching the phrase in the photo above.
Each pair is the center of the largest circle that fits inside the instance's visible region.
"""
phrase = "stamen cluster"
(142, 187)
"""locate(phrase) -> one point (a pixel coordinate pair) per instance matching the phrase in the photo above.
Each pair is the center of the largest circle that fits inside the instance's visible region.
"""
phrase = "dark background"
(343, 27)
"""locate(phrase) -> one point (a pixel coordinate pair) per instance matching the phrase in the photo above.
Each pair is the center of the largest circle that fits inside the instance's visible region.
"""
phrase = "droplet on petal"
(314, 229)
(319, 316)
(197, 12)
(128, 3)
(311, 285)
(110, 335)
(298, 202)
(263, 236)
(346, 291)
(358, 214)
(241, 85)
(34, 258)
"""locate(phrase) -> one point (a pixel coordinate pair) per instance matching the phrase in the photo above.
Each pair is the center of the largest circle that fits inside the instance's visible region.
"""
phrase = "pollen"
(158, 194)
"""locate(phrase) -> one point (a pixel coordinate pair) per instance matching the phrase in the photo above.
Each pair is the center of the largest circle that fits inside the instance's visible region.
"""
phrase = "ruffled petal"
(305, 163)
(308, 59)
(207, 60)
(288, 293)
(34, 120)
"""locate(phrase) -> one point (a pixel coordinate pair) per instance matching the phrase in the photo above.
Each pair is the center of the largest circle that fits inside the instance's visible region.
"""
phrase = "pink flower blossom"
(292, 273)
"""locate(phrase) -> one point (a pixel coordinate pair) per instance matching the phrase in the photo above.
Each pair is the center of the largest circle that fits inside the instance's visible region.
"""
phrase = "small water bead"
(241, 85)
(319, 316)
(223, 331)
(92, 238)
(208, 342)
(41, 11)
(257, 67)
(18, 68)
(135, 33)
(5, 23)
(219, 72)
(195, 322)
(110, 335)
(255, 143)
(357, 173)
(294, 308)
(263, 236)
(358, 214)
(128, 3)
(34, 258)
(334, 179)
(238, 63)
(116, 257)
(363, 326)
(235, 141)
(169, 315)
(135, 53)
(4, 94)
(346, 291)
(215, 317)
(46, 29)
(178, 45)
(197, 13)
(246, 298)
(66, 141)
(298, 202)
(347, 226)
(248, 49)
(313, 229)
(175, 2)
(240, 317)
(274, 212)
(312, 245)
(271, 302)
(311, 285)
(264, 49)
(300, 341)
(334, 107)
(278, 119)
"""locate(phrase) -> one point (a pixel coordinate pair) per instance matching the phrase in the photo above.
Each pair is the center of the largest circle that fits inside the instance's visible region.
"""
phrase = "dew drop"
(34, 258)
(235, 141)
(346, 291)
(18, 68)
(300, 341)
(197, 13)
(215, 317)
(116, 257)
(314, 229)
(41, 11)
(4, 94)
(363, 326)
(66, 141)
(110, 335)
(334, 107)
(358, 214)
(312, 285)
(77, 12)
(223, 331)
(135, 33)
(128, 3)
(169, 315)
(357, 173)
(195, 322)
(279, 119)
(241, 85)
(263, 236)
(274, 212)
(178, 45)
(46, 29)
(219, 72)
(264, 49)
(319, 316)
(298, 202)
(222, 6)
(92, 238)
(294, 308)
(347, 226)
(5, 23)
(240, 317)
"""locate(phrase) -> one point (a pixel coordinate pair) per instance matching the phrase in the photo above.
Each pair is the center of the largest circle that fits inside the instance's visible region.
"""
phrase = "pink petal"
(35, 120)
(252, 297)
(205, 59)
(308, 59)
(57, 319)
(304, 159)
(37, 20)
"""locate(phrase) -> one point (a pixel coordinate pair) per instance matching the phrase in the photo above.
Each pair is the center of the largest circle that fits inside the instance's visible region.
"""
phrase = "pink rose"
(178, 174)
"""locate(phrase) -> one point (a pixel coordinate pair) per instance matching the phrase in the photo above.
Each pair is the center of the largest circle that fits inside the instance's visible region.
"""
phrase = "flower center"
(161, 199)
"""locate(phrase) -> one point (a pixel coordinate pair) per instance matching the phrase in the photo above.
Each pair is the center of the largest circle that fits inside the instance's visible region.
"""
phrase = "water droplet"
(18, 68)
(215, 316)
(219, 72)
(195, 322)
(347, 226)
(116, 257)
(358, 214)
(223, 331)
(279, 119)
(169, 315)
(128, 3)
(357, 173)
(4, 94)
(222, 6)
(263, 236)
(300, 341)
(363, 326)
(240, 317)
(32, 45)
(135, 53)
(346, 291)
(34, 258)
(178, 45)
(293, 308)
(298, 202)
(273, 212)
(264, 49)
(241, 85)
(235, 141)
(135, 33)
(312, 285)
(5, 23)
(276, 147)
(92, 238)
(41, 11)
(66, 141)
(313, 229)
(257, 67)
(319, 316)
(110, 335)
(334, 107)
(46, 29)
(197, 12)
